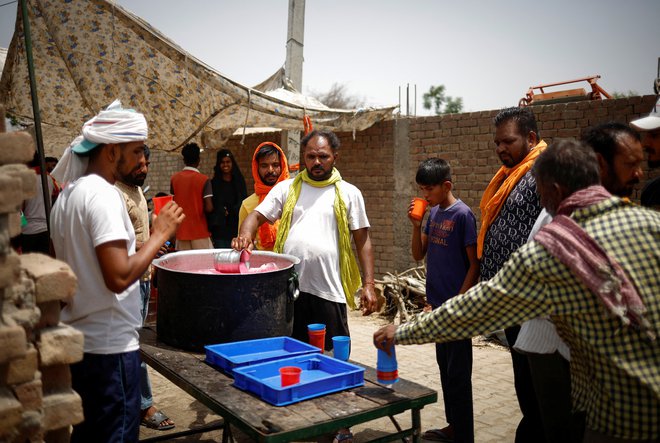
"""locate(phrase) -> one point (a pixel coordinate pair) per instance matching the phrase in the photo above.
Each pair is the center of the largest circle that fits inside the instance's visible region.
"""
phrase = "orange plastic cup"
(419, 207)
(290, 375)
(316, 335)
(159, 202)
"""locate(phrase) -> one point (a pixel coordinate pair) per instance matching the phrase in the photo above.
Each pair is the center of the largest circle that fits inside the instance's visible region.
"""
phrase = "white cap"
(650, 122)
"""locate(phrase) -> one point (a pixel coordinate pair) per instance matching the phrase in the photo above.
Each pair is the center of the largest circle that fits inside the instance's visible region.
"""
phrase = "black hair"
(328, 135)
(235, 170)
(603, 138)
(569, 163)
(524, 118)
(51, 159)
(147, 152)
(267, 150)
(433, 171)
(190, 153)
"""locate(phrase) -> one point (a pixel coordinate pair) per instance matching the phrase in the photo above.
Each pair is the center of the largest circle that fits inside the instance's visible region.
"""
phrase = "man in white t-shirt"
(92, 232)
(316, 225)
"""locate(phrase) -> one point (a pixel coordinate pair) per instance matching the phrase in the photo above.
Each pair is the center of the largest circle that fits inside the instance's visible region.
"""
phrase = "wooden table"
(310, 418)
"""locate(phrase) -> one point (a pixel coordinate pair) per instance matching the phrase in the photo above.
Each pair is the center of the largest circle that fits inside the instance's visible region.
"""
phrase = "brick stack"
(36, 400)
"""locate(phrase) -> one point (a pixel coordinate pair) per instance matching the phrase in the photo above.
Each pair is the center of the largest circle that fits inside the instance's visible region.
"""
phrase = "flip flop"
(437, 435)
(156, 420)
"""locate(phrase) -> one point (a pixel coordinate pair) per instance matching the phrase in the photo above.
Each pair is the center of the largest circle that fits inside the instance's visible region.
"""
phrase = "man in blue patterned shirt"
(615, 353)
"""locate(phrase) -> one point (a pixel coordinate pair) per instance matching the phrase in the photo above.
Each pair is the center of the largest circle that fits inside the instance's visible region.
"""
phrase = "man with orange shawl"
(269, 167)
(509, 207)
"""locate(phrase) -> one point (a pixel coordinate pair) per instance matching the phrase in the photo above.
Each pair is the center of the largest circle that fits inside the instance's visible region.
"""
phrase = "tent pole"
(35, 112)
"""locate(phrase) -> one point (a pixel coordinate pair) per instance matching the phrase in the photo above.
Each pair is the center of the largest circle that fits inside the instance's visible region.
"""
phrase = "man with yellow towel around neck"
(318, 212)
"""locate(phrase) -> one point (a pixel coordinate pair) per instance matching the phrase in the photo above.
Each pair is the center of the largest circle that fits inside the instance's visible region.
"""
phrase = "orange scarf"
(498, 191)
(267, 232)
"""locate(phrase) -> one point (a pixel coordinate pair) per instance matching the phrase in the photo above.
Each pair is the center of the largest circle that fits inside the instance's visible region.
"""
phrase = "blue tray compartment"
(320, 375)
(228, 356)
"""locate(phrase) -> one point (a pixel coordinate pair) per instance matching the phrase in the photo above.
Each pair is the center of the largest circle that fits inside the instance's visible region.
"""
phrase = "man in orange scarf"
(509, 207)
(269, 167)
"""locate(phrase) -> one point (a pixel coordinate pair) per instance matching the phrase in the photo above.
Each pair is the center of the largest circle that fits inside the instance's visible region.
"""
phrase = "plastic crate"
(228, 356)
(320, 375)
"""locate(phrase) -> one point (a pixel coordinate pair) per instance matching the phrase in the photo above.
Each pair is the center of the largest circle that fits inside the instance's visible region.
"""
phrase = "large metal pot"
(198, 307)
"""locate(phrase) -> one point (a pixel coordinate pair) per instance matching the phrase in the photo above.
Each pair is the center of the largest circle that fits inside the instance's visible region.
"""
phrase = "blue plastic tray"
(228, 356)
(320, 375)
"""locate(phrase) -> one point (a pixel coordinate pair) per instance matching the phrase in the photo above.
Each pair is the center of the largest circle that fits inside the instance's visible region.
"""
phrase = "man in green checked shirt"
(595, 269)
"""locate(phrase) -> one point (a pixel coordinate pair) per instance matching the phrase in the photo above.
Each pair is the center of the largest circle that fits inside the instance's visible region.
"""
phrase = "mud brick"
(10, 269)
(56, 378)
(61, 410)
(12, 342)
(10, 413)
(24, 176)
(50, 314)
(22, 370)
(61, 435)
(16, 147)
(53, 279)
(60, 345)
(29, 394)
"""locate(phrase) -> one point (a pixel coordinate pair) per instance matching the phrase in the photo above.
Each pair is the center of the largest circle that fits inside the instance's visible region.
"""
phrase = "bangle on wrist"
(370, 282)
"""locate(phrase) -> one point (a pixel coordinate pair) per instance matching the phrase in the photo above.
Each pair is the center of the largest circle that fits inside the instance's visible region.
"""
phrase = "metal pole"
(293, 70)
(35, 112)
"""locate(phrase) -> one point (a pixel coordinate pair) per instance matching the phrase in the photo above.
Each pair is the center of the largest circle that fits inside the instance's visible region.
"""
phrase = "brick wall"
(36, 399)
(383, 159)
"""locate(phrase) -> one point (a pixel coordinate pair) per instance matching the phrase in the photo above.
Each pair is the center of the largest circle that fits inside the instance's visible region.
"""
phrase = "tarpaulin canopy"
(89, 52)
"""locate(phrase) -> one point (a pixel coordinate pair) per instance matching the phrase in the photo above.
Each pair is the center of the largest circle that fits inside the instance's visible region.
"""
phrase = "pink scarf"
(573, 247)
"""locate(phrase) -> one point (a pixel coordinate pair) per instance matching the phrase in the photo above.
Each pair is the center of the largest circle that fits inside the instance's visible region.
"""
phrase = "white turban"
(112, 125)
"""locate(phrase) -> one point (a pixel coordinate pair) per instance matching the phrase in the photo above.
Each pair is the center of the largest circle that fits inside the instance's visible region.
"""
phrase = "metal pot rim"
(159, 262)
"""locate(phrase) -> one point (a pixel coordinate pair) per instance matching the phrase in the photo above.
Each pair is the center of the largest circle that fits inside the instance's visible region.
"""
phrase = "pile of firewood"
(402, 294)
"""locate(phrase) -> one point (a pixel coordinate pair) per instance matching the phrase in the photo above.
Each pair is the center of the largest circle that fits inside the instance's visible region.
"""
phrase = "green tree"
(630, 93)
(440, 103)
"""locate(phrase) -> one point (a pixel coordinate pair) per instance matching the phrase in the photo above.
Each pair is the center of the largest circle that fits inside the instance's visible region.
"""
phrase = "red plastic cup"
(419, 208)
(159, 202)
(290, 375)
(316, 334)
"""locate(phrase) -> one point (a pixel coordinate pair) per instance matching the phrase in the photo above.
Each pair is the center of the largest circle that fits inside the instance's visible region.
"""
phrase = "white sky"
(487, 52)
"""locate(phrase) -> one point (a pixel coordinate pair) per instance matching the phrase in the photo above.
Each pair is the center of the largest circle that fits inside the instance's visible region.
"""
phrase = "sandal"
(343, 436)
(437, 435)
(156, 421)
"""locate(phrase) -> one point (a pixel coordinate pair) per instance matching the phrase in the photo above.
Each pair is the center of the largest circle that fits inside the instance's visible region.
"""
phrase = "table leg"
(416, 424)
(226, 433)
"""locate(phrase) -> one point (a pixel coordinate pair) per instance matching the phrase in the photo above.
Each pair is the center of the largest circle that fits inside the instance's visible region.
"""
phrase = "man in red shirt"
(192, 191)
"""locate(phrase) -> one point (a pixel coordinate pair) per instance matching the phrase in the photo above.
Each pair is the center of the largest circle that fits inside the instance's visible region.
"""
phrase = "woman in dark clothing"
(229, 191)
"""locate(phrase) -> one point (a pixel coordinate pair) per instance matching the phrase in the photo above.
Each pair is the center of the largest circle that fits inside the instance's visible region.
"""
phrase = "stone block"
(22, 369)
(61, 410)
(53, 279)
(61, 435)
(10, 414)
(50, 314)
(23, 175)
(13, 223)
(29, 394)
(12, 342)
(16, 147)
(17, 183)
(60, 345)
(56, 378)
(10, 269)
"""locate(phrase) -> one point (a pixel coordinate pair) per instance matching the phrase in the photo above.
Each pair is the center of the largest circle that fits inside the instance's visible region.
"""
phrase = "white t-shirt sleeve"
(106, 217)
(357, 213)
(271, 206)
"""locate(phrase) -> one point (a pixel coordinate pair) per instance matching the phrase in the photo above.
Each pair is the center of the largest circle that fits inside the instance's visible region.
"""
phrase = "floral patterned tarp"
(89, 52)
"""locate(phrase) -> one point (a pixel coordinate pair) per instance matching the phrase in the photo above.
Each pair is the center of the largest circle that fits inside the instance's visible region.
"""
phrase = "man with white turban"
(91, 231)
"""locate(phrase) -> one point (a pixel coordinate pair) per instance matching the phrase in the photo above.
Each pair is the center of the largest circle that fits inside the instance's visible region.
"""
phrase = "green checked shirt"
(615, 370)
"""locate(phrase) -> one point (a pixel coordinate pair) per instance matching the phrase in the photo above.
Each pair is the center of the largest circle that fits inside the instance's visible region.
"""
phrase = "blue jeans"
(146, 397)
(109, 385)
